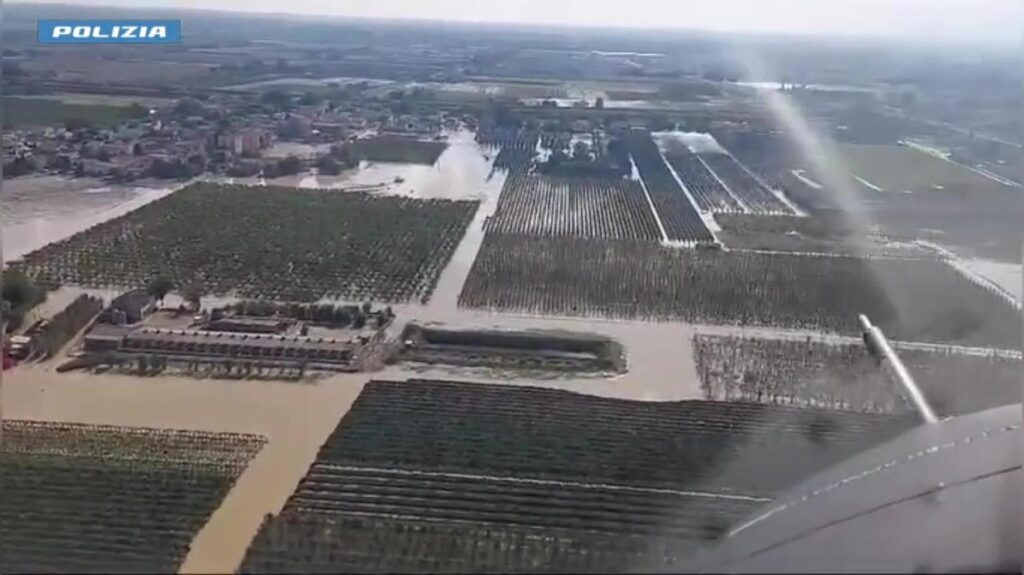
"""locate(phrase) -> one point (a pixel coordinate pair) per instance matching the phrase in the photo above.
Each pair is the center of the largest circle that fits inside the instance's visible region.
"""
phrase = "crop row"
(576, 207)
(129, 443)
(335, 543)
(66, 324)
(516, 155)
(267, 242)
(815, 373)
(93, 510)
(913, 300)
(749, 191)
(525, 432)
(767, 155)
(507, 137)
(451, 476)
(709, 193)
(772, 158)
(501, 501)
(677, 214)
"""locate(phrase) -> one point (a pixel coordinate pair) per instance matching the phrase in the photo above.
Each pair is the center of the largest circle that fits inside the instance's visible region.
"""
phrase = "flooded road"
(38, 210)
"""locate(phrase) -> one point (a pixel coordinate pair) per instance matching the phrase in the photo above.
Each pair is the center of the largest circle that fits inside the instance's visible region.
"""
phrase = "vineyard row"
(911, 300)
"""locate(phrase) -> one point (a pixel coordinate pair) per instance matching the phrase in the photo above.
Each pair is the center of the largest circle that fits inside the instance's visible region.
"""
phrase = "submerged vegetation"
(266, 242)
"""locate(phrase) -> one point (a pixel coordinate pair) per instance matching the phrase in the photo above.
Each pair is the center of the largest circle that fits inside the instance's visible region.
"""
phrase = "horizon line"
(843, 36)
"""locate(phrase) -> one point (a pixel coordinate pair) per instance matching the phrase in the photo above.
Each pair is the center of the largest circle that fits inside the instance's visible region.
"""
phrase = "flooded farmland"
(461, 172)
(1005, 275)
(294, 418)
(42, 209)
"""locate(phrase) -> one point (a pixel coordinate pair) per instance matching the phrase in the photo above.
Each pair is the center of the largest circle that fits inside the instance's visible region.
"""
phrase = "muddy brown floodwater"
(37, 210)
(296, 418)
(659, 360)
(459, 173)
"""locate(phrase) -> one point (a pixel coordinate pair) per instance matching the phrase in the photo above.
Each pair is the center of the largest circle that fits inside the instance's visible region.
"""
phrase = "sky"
(983, 21)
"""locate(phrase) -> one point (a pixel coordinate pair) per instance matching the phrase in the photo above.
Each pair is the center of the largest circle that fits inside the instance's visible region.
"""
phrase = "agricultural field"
(400, 150)
(765, 153)
(81, 498)
(900, 169)
(478, 477)
(823, 232)
(533, 350)
(107, 99)
(757, 198)
(385, 545)
(268, 243)
(573, 207)
(679, 217)
(913, 300)
(92, 68)
(709, 193)
(43, 112)
(773, 158)
(515, 150)
(848, 377)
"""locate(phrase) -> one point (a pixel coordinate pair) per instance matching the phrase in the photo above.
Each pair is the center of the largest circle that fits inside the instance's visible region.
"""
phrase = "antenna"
(879, 347)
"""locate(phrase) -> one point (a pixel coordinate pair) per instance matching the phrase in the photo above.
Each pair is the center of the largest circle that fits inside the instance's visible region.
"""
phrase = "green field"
(267, 242)
(43, 112)
(899, 169)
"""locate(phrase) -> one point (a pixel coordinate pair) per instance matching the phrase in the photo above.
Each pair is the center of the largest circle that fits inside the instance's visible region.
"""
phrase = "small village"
(239, 135)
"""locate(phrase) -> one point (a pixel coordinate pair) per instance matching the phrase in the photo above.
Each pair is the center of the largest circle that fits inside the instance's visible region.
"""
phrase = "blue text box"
(109, 31)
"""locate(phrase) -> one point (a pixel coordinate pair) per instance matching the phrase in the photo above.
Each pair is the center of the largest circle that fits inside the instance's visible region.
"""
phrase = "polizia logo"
(109, 31)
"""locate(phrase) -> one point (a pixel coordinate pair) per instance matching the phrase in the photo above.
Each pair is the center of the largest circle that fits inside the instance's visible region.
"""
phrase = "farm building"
(129, 307)
(242, 346)
(104, 337)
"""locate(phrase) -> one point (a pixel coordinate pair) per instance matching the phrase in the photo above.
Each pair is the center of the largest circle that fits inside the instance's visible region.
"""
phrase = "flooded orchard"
(294, 418)
(38, 210)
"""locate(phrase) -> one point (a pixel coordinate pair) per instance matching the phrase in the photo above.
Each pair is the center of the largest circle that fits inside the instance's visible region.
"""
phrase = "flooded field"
(660, 365)
(1005, 275)
(903, 169)
(294, 418)
(42, 209)
(460, 173)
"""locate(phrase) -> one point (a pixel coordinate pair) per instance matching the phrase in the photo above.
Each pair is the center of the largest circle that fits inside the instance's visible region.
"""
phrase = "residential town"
(232, 135)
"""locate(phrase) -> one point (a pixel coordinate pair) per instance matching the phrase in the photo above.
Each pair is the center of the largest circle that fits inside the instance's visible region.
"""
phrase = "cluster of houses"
(135, 150)
(228, 134)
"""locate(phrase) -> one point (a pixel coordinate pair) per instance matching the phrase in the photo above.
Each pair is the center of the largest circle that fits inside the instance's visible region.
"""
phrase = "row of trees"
(326, 314)
(63, 326)
(153, 364)
(286, 166)
(20, 294)
(338, 159)
(162, 285)
(279, 243)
